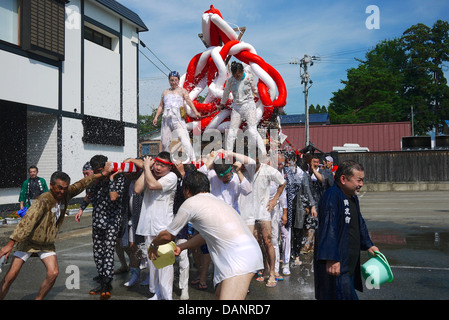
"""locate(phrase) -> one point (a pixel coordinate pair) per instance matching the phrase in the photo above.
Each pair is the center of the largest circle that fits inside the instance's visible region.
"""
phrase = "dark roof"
(124, 12)
(301, 118)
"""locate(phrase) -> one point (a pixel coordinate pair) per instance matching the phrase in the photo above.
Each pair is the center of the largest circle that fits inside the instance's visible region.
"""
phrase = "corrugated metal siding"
(42, 148)
(374, 136)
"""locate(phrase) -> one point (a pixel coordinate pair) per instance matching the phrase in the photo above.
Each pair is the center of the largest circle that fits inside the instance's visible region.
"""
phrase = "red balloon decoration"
(202, 67)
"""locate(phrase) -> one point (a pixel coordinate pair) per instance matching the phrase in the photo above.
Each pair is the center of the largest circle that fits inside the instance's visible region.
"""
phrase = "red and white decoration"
(208, 69)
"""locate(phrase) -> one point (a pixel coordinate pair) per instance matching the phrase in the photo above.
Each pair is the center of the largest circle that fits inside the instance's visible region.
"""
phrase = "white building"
(68, 87)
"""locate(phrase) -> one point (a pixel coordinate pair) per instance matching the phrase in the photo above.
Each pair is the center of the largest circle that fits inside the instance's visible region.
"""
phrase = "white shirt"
(260, 182)
(281, 204)
(282, 201)
(232, 247)
(157, 207)
(172, 104)
(242, 90)
(228, 192)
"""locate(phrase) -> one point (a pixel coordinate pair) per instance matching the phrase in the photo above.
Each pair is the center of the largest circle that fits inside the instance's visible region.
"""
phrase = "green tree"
(373, 91)
(417, 41)
(317, 109)
(146, 123)
(312, 109)
(396, 76)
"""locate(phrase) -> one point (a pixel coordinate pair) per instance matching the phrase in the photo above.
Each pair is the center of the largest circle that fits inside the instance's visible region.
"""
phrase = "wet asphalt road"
(410, 228)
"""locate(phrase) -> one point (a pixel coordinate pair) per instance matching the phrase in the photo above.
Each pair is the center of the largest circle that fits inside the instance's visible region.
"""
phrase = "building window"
(9, 21)
(43, 27)
(97, 37)
(103, 131)
(151, 148)
(13, 140)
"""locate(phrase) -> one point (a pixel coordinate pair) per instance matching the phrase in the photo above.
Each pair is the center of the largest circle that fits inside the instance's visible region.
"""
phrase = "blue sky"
(280, 31)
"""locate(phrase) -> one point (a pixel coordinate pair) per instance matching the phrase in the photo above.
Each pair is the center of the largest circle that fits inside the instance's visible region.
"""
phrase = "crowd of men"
(249, 217)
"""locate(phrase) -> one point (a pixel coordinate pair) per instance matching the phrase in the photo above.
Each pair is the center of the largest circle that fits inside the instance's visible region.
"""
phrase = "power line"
(344, 52)
(334, 58)
(153, 63)
(145, 46)
(338, 61)
(152, 78)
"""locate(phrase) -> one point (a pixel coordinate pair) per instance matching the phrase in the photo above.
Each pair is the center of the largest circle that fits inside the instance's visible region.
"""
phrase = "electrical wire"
(152, 78)
(342, 53)
(153, 63)
(145, 46)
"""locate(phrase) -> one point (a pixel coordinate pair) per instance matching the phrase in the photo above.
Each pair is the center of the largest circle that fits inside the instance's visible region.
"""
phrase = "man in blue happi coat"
(340, 236)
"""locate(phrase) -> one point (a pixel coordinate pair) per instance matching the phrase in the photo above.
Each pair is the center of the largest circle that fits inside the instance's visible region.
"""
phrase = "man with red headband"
(158, 185)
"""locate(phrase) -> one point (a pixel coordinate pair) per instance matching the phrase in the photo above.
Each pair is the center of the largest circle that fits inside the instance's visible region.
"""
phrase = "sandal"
(202, 286)
(195, 282)
(297, 262)
(271, 283)
(260, 279)
(279, 277)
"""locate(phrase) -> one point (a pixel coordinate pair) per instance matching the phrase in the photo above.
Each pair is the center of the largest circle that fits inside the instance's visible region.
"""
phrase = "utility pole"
(307, 82)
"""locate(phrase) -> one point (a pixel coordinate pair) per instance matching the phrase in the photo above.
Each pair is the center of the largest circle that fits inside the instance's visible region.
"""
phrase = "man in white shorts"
(233, 249)
(262, 206)
(36, 232)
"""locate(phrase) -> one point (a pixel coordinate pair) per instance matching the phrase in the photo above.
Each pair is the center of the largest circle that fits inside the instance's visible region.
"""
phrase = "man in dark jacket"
(32, 188)
(340, 236)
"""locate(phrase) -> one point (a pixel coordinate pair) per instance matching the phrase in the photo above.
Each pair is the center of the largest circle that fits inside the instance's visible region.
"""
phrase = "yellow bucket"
(166, 255)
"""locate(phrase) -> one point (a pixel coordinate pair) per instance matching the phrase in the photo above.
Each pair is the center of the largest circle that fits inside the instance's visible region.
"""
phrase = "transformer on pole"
(307, 82)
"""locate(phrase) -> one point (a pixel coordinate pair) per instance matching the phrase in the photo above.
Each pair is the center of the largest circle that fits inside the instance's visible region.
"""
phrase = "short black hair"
(59, 175)
(98, 161)
(33, 167)
(196, 182)
(221, 166)
(346, 168)
(236, 66)
(164, 155)
(189, 168)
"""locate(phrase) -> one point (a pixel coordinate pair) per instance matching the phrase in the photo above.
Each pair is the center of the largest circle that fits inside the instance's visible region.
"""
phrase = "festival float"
(208, 70)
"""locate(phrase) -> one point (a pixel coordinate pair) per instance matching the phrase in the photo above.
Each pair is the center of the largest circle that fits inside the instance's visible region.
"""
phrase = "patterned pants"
(103, 247)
